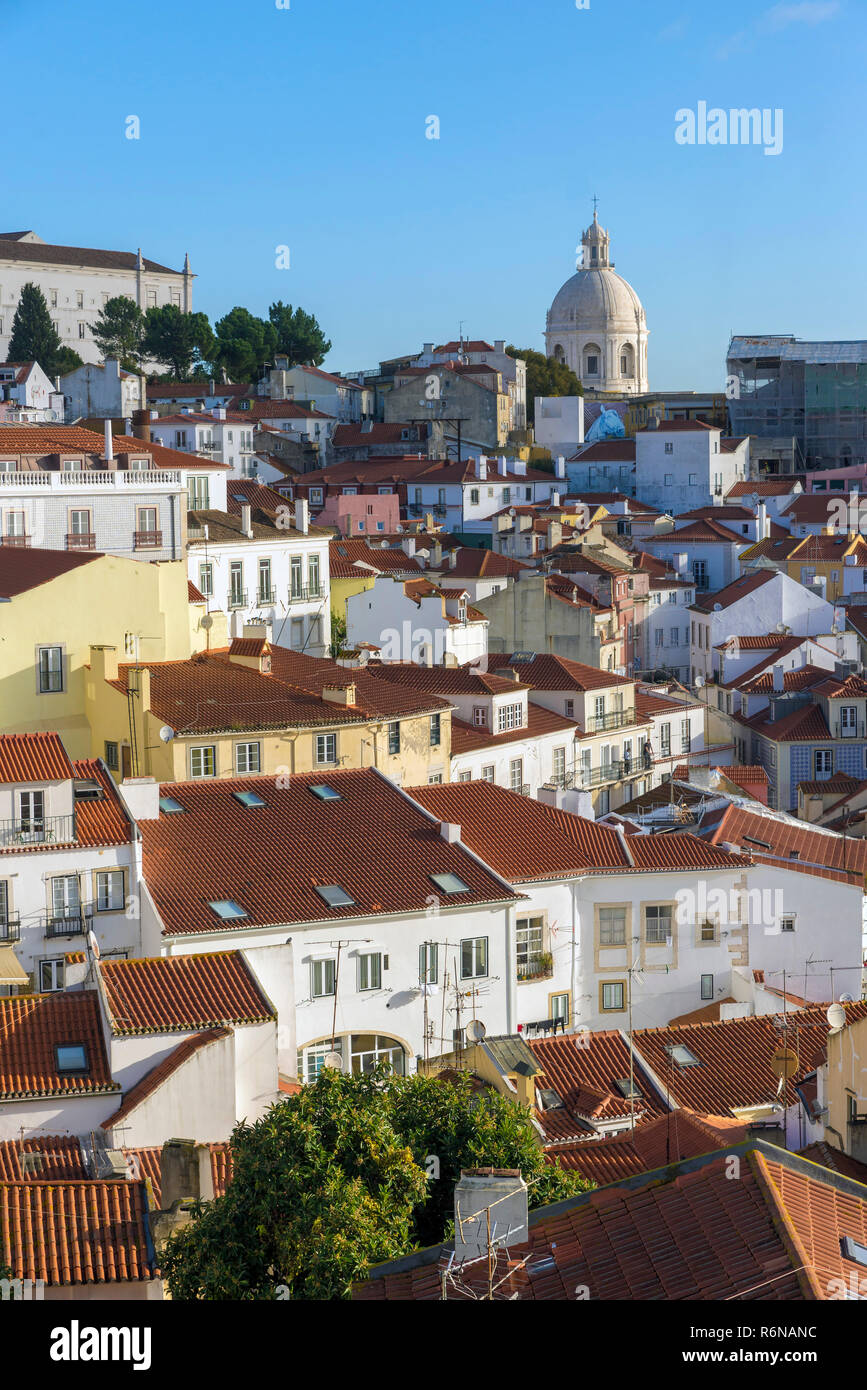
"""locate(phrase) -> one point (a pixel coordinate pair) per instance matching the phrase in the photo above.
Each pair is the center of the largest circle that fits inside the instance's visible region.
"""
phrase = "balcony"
(238, 599)
(310, 594)
(43, 830)
(266, 596)
(147, 540)
(19, 542)
(79, 540)
(90, 478)
(72, 922)
(617, 719)
(539, 967)
(849, 730)
(10, 927)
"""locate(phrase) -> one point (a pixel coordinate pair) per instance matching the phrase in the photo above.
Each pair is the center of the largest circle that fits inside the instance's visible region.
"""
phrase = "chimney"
(211, 387)
(141, 425)
(407, 545)
(779, 682)
(555, 499)
(103, 663)
(339, 694)
(436, 555)
(109, 446)
(560, 468)
(500, 345)
(219, 412)
(450, 833)
(453, 559)
(520, 468)
(247, 520)
(763, 523)
(141, 796)
(554, 535)
(504, 1192)
(302, 516)
(481, 468)
(501, 465)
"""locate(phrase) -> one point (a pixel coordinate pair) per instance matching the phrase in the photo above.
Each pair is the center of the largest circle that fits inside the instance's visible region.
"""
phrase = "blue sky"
(305, 127)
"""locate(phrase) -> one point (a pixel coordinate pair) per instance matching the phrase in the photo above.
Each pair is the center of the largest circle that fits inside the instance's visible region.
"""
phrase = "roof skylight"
(334, 895)
(169, 806)
(450, 883)
(227, 909)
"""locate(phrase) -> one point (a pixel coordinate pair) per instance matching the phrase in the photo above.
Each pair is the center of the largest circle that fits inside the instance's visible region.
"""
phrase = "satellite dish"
(836, 1016)
(699, 682)
(206, 621)
(847, 999)
(93, 944)
(167, 733)
(476, 1030)
(717, 608)
(333, 1059)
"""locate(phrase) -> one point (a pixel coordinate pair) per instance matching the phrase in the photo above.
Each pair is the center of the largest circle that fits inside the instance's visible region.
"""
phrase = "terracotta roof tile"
(374, 698)
(584, 1069)
(470, 738)
(176, 993)
(547, 671)
(655, 1143)
(782, 840)
(101, 821)
(350, 553)
(60, 1159)
(42, 253)
(69, 1233)
(34, 758)
(22, 570)
(32, 1026)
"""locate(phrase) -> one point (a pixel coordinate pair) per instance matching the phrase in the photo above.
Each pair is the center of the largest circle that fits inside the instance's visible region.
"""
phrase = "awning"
(11, 972)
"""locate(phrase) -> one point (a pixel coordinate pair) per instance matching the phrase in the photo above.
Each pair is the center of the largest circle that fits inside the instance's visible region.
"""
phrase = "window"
(465, 777)
(51, 975)
(612, 926)
(227, 909)
(394, 737)
(248, 757)
(669, 479)
(480, 716)
(685, 740)
(249, 799)
(169, 806)
(79, 521)
(569, 709)
(317, 496)
(428, 963)
(848, 721)
(707, 931)
(198, 492)
(109, 890)
(326, 748)
(450, 883)
(147, 520)
(16, 524)
(681, 1055)
(474, 958)
(435, 779)
(612, 996)
(111, 756)
(312, 1059)
(516, 774)
(265, 592)
(474, 496)
(313, 575)
(322, 978)
(435, 730)
(707, 986)
(203, 761)
(82, 330)
(334, 895)
(693, 479)
(560, 1007)
(669, 448)
(488, 773)
(296, 576)
(657, 925)
(237, 597)
(323, 792)
(510, 717)
(370, 971)
(529, 945)
(71, 1057)
(823, 762)
(665, 740)
(206, 580)
(558, 766)
(50, 666)
(787, 923)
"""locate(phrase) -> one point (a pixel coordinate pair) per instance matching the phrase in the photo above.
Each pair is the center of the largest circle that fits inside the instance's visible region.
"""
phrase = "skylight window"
(334, 895)
(169, 806)
(852, 1249)
(227, 909)
(71, 1057)
(681, 1054)
(623, 1086)
(450, 883)
(549, 1098)
(325, 793)
(762, 844)
(249, 798)
(238, 497)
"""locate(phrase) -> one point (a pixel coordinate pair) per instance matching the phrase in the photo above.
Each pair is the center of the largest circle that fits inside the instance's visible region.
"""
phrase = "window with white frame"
(474, 958)
(248, 757)
(510, 717)
(50, 670)
(657, 924)
(370, 971)
(529, 945)
(323, 974)
(51, 975)
(612, 926)
(516, 774)
(203, 760)
(206, 580)
(109, 890)
(428, 963)
(326, 748)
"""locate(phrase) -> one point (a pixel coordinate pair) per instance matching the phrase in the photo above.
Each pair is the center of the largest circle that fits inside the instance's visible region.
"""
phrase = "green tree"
(545, 377)
(177, 340)
(333, 1180)
(34, 337)
(298, 335)
(119, 331)
(338, 636)
(244, 343)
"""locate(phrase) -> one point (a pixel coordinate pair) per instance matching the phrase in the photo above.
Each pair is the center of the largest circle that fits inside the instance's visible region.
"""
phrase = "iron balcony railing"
(237, 599)
(81, 540)
(266, 596)
(37, 830)
(73, 922)
(19, 542)
(617, 719)
(849, 730)
(306, 594)
(10, 926)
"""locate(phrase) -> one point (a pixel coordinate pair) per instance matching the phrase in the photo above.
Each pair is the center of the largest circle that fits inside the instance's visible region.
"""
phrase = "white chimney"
(560, 468)
(502, 465)
(407, 545)
(247, 520)
(555, 499)
(481, 467)
(779, 681)
(302, 516)
(453, 559)
(141, 796)
(109, 445)
(450, 833)
(763, 524)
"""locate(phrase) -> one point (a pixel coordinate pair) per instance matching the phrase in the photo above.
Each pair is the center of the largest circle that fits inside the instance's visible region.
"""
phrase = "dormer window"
(71, 1058)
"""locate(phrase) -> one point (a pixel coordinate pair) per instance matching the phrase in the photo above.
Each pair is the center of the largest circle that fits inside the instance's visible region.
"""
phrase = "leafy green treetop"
(34, 337)
(545, 377)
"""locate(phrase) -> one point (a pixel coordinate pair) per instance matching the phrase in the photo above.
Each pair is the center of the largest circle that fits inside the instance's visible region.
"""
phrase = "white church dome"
(594, 299)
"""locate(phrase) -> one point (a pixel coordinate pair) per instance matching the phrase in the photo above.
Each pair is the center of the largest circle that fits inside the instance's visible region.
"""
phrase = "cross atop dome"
(595, 242)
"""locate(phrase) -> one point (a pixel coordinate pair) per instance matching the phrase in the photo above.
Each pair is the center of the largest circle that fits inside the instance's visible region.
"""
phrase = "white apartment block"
(682, 464)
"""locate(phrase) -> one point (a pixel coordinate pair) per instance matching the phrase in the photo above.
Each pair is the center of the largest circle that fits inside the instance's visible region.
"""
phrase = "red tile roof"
(763, 488)
(347, 554)
(734, 1058)
(374, 842)
(584, 1069)
(472, 563)
(69, 1233)
(652, 1144)
(159, 1074)
(839, 782)
(470, 738)
(34, 758)
(193, 594)
(829, 1157)
(103, 821)
(525, 840)
(32, 1026)
(174, 993)
(25, 569)
(61, 1159)
(44, 253)
(704, 532)
(374, 698)
(546, 671)
(448, 680)
(253, 494)
(685, 1233)
(774, 840)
